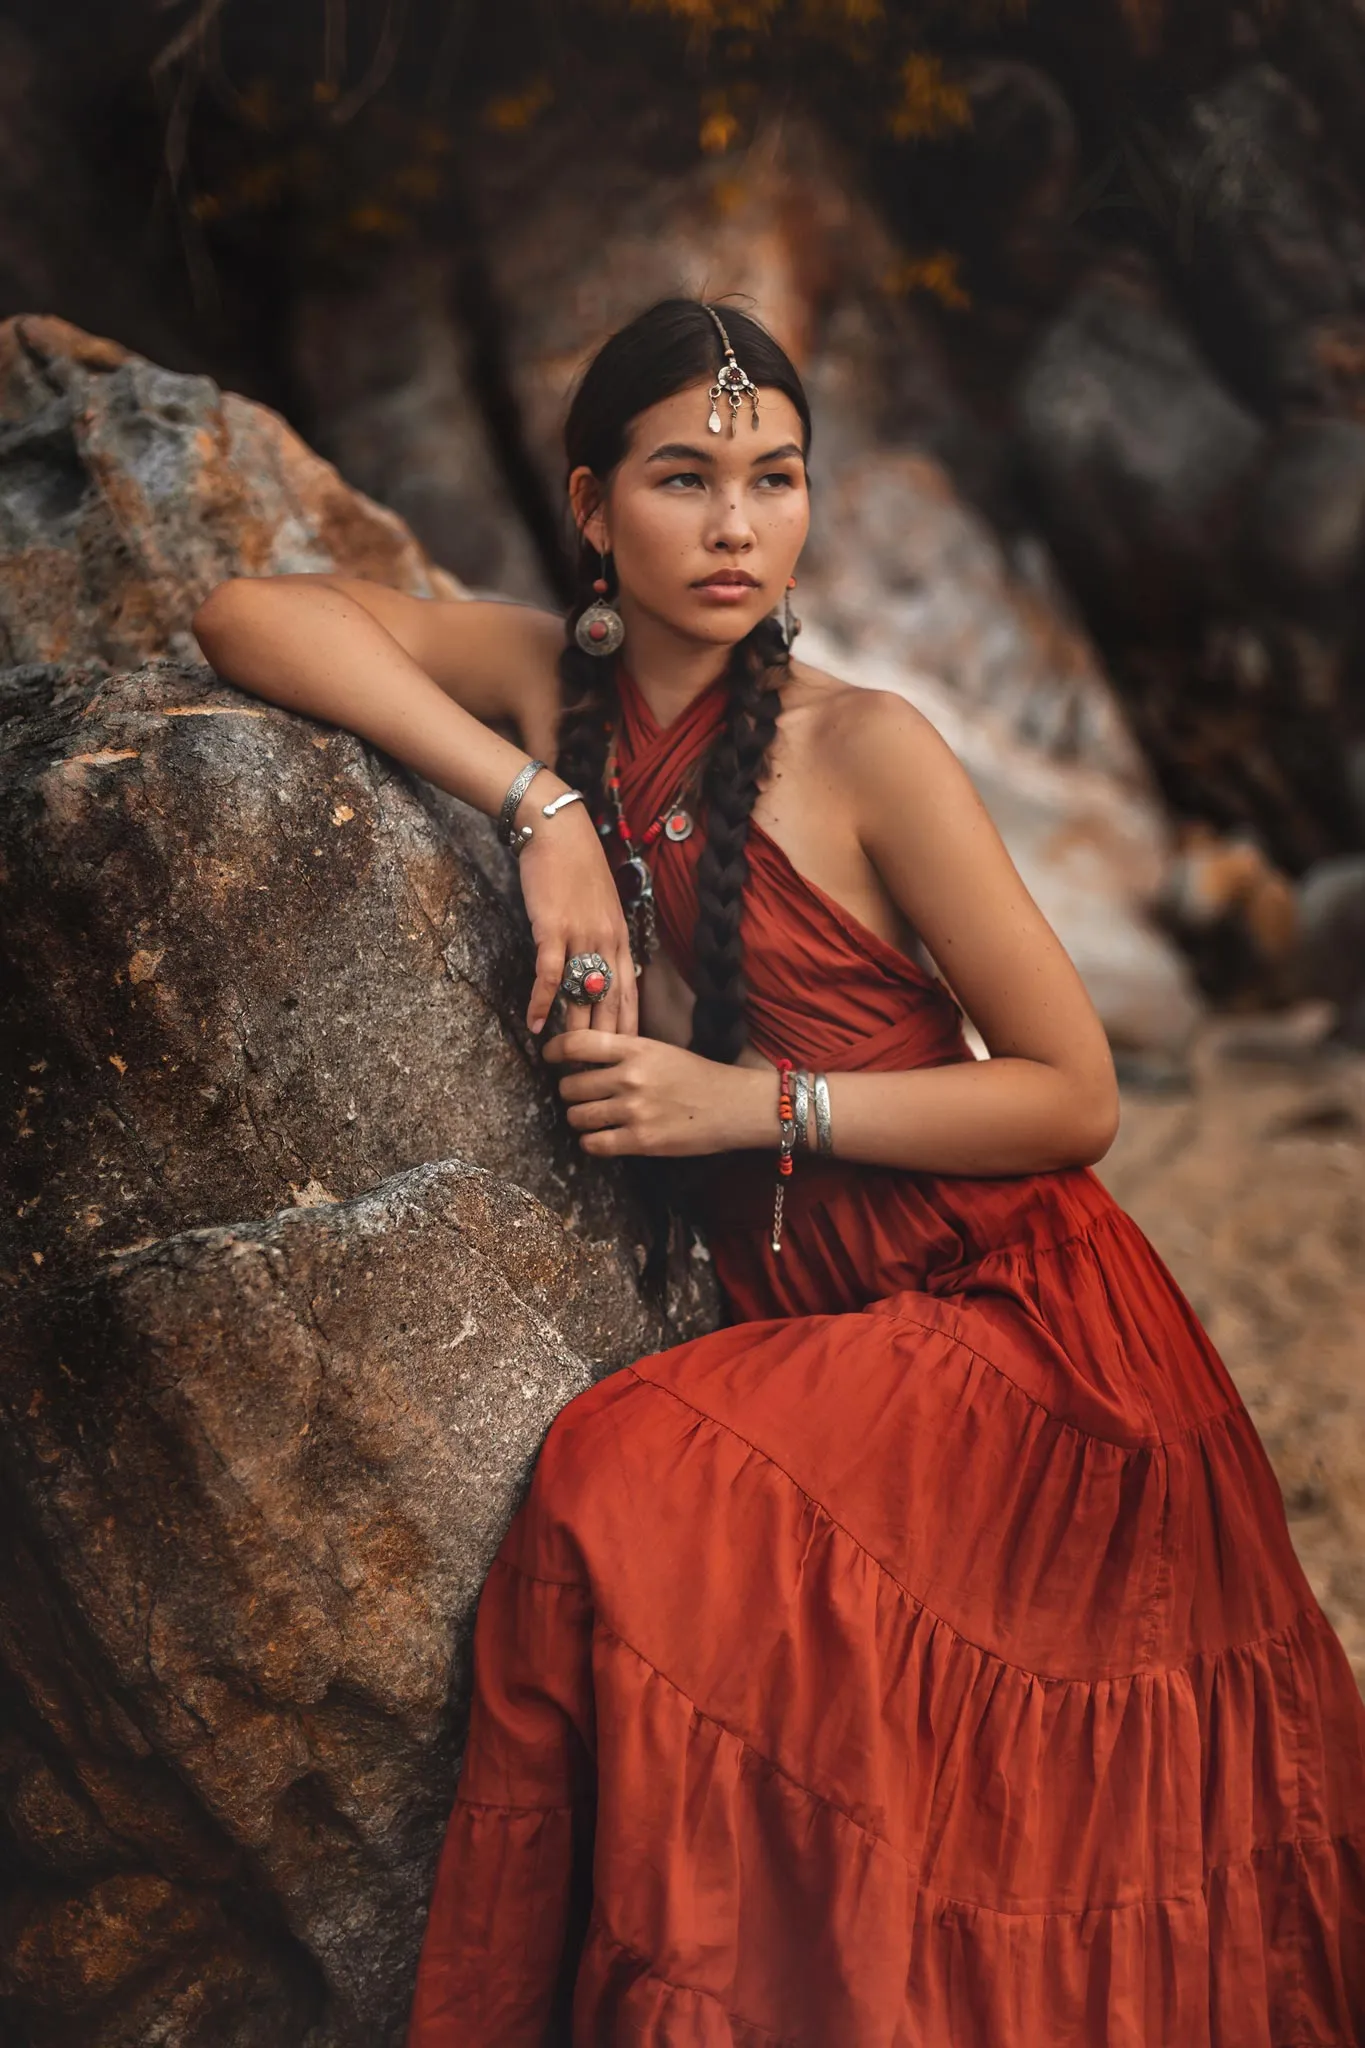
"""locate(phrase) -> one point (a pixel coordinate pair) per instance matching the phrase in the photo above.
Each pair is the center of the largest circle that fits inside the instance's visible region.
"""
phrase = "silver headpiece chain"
(731, 382)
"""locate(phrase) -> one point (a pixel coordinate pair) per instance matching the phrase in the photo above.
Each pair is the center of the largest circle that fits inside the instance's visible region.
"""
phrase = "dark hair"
(663, 350)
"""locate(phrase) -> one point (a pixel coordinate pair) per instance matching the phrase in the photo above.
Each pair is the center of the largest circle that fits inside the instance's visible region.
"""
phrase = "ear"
(589, 510)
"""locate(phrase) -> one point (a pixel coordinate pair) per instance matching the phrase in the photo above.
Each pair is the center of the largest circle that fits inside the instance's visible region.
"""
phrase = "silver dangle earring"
(791, 625)
(601, 628)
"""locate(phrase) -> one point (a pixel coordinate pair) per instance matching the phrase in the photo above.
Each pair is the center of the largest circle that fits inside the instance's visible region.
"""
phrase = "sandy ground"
(1250, 1182)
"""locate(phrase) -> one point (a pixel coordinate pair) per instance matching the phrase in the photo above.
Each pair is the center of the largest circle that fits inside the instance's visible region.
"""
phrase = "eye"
(683, 476)
(779, 476)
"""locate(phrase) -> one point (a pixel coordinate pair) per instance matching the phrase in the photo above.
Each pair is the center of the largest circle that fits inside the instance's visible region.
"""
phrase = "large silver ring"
(587, 978)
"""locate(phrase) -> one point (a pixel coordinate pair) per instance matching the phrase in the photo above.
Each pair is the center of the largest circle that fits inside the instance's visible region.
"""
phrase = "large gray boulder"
(127, 491)
(247, 961)
(299, 1257)
(255, 1475)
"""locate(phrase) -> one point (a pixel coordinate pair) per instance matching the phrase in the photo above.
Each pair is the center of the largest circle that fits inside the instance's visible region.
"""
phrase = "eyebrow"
(681, 451)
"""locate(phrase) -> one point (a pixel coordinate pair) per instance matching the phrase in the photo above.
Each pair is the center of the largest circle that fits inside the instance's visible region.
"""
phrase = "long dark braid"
(664, 350)
(730, 787)
(731, 780)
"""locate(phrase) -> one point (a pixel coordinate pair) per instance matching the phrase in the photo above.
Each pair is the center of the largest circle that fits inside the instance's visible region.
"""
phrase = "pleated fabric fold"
(920, 1661)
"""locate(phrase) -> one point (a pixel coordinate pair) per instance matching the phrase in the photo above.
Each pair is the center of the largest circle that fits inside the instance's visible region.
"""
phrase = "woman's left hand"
(640, 1095)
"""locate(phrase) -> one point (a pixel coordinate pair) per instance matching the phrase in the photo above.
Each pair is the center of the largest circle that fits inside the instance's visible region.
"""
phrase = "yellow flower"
(709, 15)
(515, 110)
(935, 273)
(929, 104)
(718, 130)
(856, 13)
(375, 220)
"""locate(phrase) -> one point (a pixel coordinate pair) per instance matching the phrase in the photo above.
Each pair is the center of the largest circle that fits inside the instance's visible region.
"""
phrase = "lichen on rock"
(300, 1257)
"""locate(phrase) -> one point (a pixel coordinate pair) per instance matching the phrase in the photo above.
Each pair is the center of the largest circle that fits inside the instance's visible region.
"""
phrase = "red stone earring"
(791, 625)
(600, 629)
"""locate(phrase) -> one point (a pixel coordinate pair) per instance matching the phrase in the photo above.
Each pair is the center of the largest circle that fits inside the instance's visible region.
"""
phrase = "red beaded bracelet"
(786, 1143)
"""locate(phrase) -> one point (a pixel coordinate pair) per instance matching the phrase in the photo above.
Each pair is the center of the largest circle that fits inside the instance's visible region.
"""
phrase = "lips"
(726, 579)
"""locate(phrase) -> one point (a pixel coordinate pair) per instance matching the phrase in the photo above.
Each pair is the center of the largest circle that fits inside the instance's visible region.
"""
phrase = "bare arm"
(427, 681)
(1048, 1095)
(421, 678)
(1046, 1098)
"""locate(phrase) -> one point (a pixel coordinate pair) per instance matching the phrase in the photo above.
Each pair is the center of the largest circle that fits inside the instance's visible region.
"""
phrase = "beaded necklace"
(675, 822)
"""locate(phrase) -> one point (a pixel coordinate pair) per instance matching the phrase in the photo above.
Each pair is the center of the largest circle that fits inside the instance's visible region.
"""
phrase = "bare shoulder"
(857, 731)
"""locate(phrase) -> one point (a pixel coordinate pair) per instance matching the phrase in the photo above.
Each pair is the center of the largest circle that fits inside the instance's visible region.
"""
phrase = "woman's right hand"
(574, 906)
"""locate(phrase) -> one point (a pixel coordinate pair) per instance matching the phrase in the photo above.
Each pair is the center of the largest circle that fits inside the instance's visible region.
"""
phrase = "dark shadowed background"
(303, 1262)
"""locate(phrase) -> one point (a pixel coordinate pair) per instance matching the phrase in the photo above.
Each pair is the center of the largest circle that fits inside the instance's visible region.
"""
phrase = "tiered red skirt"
(922, 1662)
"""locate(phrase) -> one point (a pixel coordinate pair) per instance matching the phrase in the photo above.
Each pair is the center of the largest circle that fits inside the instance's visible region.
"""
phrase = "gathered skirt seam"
(1010, 1663)
(930, 1891)
(1216, 1417)
(1100, 1219)
(1024, 1248)
(1258, 1850)
(600, 1927)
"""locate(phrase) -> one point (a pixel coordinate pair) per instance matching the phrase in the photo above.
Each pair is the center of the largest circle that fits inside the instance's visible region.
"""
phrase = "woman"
(922, 1658)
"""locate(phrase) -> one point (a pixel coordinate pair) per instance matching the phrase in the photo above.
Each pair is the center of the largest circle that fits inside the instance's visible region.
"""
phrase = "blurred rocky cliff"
(298, 1262)
(1079, 292)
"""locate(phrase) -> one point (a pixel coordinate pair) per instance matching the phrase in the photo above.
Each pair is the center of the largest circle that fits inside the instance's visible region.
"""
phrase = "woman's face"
(704, 528)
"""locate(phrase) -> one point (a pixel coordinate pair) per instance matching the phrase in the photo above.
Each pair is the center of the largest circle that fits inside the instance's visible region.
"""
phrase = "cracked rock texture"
(127, 491)
(257, 1477)
(247, 960)
(299, 1259)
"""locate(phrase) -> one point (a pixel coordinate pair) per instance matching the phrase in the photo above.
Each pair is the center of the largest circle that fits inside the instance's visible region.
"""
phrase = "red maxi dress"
(921, 1661)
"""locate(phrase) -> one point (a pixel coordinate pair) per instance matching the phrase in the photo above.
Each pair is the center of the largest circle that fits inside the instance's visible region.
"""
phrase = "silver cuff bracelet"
(521, 782)
(824, 1124)
(801, 1084)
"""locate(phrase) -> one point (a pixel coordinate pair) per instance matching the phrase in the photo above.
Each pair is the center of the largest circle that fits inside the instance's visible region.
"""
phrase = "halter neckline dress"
(922, 1659)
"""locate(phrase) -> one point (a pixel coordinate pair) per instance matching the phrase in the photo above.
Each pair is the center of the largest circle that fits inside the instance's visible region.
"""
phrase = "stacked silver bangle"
(508, 831)
(807, 1088)
(824, 1122)
(801, 1080)
(521, 782)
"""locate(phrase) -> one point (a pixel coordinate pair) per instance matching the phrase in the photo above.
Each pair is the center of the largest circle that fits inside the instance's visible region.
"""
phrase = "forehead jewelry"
(731, 382)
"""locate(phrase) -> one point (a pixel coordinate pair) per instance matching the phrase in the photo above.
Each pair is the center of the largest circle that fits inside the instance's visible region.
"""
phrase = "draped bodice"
(822, 987)
(826, 991)
(939, 1672)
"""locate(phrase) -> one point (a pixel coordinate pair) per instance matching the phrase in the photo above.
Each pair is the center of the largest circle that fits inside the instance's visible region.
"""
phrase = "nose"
(731, 529)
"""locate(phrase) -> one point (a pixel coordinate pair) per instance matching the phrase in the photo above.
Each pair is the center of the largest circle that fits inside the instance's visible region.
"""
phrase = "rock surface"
(386, 371)
(257, 1474)
(1141, 457)
(246, 961)
(299, 1258)
(1331, 958)
(127, 491)
(1278, 252)
(1191, 432)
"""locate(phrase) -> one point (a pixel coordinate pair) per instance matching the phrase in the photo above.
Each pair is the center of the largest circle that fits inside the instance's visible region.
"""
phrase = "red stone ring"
(587, 978)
